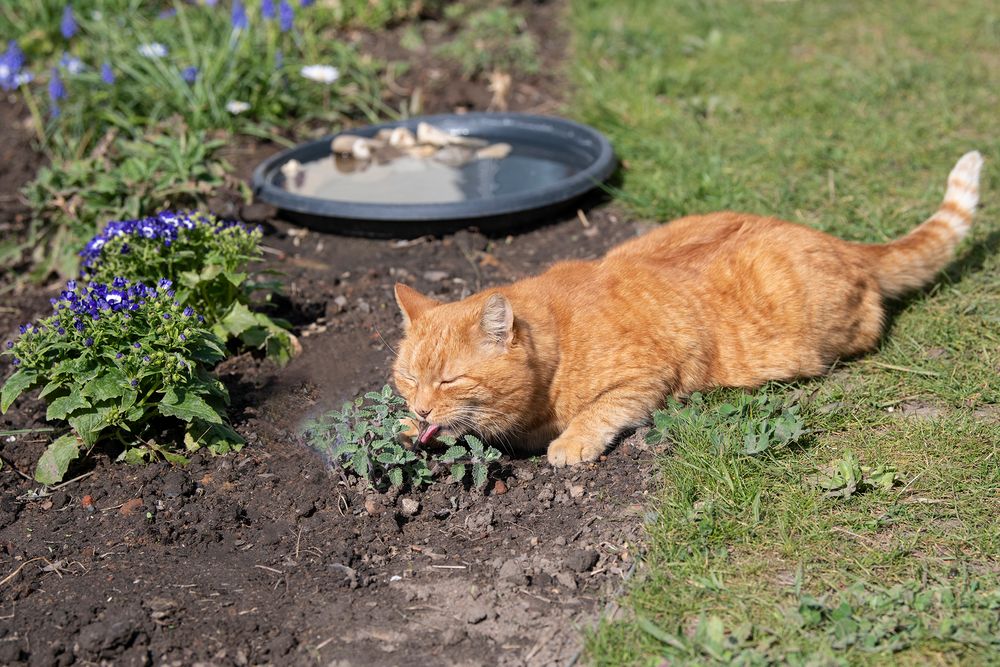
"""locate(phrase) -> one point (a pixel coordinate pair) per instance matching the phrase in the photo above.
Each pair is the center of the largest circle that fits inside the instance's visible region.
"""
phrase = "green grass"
(845, 116)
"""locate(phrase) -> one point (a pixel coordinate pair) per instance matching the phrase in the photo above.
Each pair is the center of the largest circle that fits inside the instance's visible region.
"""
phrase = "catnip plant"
(366, 438)
(207, 259)
(120, 362)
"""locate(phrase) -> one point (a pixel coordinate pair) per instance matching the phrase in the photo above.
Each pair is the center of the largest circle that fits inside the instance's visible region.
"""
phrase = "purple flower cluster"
(12, 72)
(93, 300)
(165, 226)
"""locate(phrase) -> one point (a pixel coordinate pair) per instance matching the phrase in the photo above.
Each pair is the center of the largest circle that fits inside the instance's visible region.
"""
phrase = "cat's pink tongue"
(429, 433)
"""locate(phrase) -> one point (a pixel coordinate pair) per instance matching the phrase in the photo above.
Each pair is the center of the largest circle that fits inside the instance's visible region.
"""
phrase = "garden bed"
(267, 556)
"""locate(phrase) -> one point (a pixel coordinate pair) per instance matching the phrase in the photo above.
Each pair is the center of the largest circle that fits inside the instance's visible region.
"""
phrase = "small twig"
(323, 643)
(449, 567)
(269, 569)
(583, 217)
(298, 539)
(905, 369)
(13, 467)
(910, 483)
(21, 567)
(75, 479)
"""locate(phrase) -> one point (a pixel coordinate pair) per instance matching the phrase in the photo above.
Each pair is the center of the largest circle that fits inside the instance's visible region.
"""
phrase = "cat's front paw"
(569, 451)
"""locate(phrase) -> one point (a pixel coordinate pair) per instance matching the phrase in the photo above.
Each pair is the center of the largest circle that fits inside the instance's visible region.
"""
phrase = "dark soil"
(269, 557)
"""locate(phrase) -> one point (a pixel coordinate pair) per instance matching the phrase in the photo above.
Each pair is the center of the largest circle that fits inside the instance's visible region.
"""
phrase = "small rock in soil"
(373, 506)
(176, 483)
(474, 612)
(410, 506)
(59, 500)
(575, 491)
(130, 506)
(452, 635)
(546, 493)
(512, 572)
(567, 580)
(581, 560)
(480, 522)
(105, 638)
(435, 276)
(499, 488)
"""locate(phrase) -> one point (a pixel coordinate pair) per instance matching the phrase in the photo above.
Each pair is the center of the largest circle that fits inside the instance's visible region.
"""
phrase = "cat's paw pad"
(567, 452)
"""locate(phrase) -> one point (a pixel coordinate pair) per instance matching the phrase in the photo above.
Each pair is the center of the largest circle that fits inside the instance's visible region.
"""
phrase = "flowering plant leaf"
(187, 405)
(206, 258)
(14, 386)
(55, 460)
(61, 407)
(114, 361)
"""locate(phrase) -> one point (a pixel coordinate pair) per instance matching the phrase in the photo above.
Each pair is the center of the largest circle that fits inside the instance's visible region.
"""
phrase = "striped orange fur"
(572, 357)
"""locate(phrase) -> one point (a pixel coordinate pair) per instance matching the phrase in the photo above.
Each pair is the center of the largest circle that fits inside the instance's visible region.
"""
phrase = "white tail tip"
(962, 196)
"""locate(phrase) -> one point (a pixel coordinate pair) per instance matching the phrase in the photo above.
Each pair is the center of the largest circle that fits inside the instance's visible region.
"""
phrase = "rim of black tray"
(601, 166)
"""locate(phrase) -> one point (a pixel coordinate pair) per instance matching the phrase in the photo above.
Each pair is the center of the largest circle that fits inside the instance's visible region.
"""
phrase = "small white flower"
(72, 64)
(236, 107)
(322, 73)
(153, 50)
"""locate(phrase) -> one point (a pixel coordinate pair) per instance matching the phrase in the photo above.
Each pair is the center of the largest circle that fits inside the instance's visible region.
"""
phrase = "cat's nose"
(422, 413)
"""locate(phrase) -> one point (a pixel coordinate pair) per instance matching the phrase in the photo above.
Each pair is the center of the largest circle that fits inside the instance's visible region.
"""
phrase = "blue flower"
(23, 329)
(57, 90)
(67, 26)
(167, 14)
(286, 16)
(134, 383)
(11, 74)
(166, 316)
(10, 344)
(239, 16)
(306, 3)
(16, 362)
(188, 312)
(164, 283)
(136, 345)
(107, 74)
(267, 9)
(146, 358)
(119, 355)
(88, 342)
(61, 331)
(189, 74)
(78, 325)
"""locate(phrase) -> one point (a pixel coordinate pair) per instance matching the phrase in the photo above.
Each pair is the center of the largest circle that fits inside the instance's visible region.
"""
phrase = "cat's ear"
(497, 321)
(412, 303)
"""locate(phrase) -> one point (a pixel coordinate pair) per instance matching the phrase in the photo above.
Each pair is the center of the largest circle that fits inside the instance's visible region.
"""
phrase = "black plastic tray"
(581, 144)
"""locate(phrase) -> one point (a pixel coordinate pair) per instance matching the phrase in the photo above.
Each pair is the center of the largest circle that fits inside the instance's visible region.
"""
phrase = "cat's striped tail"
(913, 260)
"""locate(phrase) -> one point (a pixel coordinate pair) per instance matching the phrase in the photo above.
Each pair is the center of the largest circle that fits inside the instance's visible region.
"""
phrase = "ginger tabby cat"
(588, 349)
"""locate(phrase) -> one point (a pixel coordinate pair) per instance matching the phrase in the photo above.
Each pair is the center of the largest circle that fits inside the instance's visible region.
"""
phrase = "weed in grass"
(115, 361)
(366, 438)
(490, 39)
(846, 476)
(749, 424)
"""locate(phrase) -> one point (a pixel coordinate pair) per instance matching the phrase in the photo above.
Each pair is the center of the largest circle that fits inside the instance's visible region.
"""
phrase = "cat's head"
(463, 367)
